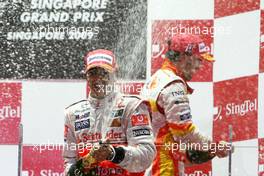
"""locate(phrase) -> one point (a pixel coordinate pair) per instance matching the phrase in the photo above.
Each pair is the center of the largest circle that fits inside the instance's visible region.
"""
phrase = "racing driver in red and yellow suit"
(167, 92)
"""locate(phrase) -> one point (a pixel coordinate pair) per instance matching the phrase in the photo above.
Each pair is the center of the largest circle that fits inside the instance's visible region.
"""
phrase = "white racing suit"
(171, 121)
(123, 120)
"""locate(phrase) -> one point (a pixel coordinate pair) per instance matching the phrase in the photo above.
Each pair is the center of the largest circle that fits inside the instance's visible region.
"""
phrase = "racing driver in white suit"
(107, 133)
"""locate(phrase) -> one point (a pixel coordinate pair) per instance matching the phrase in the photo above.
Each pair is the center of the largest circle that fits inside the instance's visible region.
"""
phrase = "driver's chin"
(101, 90)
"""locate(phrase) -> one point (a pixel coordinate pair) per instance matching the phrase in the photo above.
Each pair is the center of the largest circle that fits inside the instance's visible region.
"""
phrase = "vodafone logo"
(232, 109)
(138, 120)
(42, 173)
(9, 112)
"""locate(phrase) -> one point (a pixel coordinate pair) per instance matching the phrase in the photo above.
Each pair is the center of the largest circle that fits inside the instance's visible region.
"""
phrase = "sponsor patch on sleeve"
(82, 116)
(186, 116)
(177, 102)
(177, 93)
(139, 120)
(141, 132)
(82, 124)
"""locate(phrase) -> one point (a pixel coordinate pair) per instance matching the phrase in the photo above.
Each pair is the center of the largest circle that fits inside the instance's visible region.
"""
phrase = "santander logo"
(233, 109)
(9, 112)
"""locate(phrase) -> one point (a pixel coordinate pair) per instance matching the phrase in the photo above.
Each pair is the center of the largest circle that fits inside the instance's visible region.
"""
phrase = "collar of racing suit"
(168, 65)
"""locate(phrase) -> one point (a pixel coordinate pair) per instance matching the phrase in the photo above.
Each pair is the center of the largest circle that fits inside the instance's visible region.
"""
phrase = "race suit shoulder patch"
(82, 124)
(186, 116)
(139, 120)
(84, 115)
(141, 132)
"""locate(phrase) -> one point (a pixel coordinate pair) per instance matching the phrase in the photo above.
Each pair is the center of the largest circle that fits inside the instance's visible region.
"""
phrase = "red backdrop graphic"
(261, 151)
(261, 58)
(232, 7)
(163, 30)
(42, 160)
(10, 112)
(237, 102)
(201, 169)
(261, 156)
(261, 174)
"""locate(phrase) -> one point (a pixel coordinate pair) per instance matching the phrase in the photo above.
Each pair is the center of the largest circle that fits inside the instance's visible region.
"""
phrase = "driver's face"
(98, 80)
(190, 65)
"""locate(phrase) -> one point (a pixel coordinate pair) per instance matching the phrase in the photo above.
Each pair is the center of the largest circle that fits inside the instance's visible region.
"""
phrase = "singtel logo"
(241, 109)
(9, 112)
(42, 173)
(236, 109)
(50, 173)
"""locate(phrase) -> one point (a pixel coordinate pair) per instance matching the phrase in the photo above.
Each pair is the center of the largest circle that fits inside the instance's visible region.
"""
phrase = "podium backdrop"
(40, 77)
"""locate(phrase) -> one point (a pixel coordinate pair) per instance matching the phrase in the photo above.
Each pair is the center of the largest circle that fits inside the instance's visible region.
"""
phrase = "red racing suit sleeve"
(70, 144)
(173, 100)
(141, 150)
